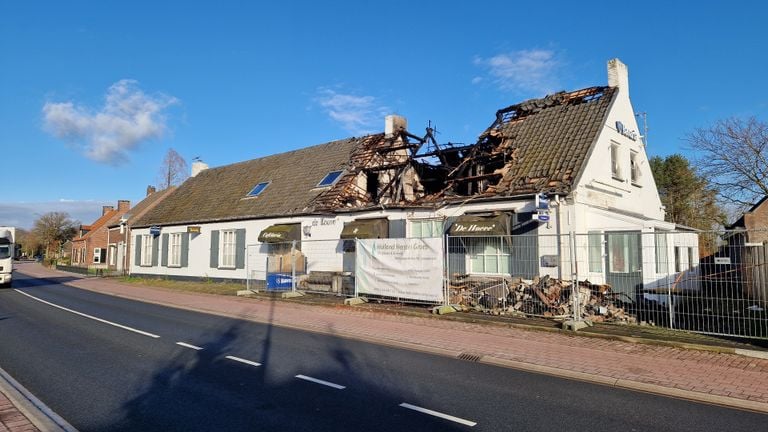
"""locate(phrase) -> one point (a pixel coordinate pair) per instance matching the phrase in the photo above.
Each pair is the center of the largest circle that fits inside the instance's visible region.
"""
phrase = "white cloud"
(526, 71)
(128, 118)
(359, 115)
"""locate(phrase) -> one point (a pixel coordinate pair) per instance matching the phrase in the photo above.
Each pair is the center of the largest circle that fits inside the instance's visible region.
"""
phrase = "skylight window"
(329, 179)
(258, 189)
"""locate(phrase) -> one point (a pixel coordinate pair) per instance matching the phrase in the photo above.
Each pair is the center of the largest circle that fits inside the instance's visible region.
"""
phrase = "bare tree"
(53, 229)
(173, 171)
(733, 155)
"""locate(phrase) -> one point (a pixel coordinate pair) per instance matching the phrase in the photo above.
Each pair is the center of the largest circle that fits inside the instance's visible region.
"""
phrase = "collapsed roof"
(539, 145)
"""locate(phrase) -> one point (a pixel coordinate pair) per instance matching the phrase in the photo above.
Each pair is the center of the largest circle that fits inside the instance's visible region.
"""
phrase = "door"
(120, 256)
(624, 272)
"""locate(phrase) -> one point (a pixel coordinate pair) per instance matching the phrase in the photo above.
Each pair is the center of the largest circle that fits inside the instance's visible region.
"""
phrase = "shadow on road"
(205, 391)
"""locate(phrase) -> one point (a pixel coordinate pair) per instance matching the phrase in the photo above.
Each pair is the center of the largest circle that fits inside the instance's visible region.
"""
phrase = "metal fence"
(315, 266)
(708, 282)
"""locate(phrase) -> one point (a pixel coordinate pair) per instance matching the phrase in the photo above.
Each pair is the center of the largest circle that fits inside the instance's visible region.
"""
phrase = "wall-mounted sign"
(154, 230)
(542, 201)
(723, 260)
(626, 132)
(193, 229)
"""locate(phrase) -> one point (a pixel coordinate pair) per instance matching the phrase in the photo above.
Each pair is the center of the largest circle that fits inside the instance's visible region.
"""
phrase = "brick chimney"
(150, 190)
(106, 209)
(123, 205)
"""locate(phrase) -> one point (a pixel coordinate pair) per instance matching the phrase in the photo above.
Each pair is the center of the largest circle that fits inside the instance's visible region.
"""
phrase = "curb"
(31, 407)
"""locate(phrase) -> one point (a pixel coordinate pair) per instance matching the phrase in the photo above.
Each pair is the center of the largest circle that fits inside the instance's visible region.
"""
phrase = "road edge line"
(38, 413)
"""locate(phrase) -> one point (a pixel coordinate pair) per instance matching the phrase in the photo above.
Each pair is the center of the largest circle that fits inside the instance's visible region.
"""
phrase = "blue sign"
(279, 281)
(543, 217)
(154, 230)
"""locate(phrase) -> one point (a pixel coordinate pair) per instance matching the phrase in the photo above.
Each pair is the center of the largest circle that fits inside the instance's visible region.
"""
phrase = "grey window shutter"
(155, 249)
(164, 251)
(137, 252)
(184, 250)
(240, 248)
(215, 249)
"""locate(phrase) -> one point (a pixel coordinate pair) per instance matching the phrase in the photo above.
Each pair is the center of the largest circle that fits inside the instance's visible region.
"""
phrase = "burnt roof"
(548, 140)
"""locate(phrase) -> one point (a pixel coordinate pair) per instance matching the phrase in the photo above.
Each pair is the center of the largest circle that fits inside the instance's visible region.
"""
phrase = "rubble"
(542, 296)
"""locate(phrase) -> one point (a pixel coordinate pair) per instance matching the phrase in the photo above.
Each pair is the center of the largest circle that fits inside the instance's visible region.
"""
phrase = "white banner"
(406, 268)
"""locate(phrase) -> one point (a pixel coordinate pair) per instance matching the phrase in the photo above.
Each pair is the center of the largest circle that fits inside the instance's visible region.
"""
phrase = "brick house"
(89, 248)
(119, 239)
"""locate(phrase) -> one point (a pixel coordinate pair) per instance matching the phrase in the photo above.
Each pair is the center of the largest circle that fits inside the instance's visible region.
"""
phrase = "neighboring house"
(119, 235)
(89, 248)
(569, 162)
(746, 251)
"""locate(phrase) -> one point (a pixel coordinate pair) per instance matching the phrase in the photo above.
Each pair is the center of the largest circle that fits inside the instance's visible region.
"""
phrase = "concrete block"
(442, 310)
(574, 325)
(292, 294)
(355, 301)
(245, 293)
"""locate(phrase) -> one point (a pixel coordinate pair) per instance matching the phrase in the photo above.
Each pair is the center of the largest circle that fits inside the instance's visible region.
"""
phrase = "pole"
(293, 265)
(575, 292)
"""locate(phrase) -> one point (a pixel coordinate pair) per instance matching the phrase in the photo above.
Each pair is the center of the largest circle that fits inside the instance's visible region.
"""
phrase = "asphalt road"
(109, 364)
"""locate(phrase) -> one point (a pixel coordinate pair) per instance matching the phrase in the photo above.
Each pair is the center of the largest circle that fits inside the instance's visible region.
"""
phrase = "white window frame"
(435, 228)
(97, 255)
(616, 171)
(634, 168)
(146, 250)
(112, 254)
(227, 241)
(174, 250)
(478, 244)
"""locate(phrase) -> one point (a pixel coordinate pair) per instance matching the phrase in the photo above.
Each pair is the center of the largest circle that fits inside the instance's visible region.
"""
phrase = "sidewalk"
(707, 375)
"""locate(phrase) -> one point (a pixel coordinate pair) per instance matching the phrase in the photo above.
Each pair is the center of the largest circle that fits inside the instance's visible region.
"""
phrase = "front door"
(624, 271)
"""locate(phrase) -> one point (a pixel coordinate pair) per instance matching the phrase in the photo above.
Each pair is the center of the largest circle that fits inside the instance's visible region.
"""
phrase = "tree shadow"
(205, 391)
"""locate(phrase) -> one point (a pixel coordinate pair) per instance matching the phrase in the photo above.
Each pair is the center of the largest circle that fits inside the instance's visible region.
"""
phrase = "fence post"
(247, 268)
(575, 291)
(293, 265)
(446, 272)
(356, 271)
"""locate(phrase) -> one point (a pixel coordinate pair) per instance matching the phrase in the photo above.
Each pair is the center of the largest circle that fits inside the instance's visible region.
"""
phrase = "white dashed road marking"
(318, 381)
(438, 414)
(241, 360)
(186, 345)
(89, 316)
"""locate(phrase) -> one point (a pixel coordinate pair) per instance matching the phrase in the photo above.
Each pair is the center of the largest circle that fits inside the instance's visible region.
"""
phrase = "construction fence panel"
(511, 275)
(329, 267)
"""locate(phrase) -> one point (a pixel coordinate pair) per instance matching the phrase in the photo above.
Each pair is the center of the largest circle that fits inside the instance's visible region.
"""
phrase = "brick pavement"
(709, 376)
(11, 419)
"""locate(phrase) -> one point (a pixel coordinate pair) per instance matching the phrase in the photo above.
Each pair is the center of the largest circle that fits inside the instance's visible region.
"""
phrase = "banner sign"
(406, 268)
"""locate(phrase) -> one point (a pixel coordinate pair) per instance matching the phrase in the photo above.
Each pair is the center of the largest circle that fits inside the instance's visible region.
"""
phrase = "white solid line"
(318, 381)
(438, 414)
(89, 316)
(242, 360)
(186, 345)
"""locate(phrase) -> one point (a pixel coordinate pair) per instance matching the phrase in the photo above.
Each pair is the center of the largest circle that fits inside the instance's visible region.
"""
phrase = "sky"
(93, 94)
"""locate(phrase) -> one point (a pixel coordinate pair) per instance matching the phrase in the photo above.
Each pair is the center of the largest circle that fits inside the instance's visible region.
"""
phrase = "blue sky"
(93, 94)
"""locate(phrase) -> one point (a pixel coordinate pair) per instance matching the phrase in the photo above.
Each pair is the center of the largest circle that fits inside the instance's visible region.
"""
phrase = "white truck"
(7, 249)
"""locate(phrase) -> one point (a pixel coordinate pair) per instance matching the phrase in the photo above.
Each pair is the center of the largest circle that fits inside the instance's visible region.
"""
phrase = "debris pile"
(542, 296)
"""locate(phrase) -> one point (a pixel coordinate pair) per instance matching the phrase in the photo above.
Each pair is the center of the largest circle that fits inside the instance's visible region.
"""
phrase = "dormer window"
(330, 179)
(258, 189)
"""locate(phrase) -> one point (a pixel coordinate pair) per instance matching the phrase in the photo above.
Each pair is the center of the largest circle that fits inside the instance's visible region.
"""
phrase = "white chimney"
(393, 124)
(198, 167)
(618, 75)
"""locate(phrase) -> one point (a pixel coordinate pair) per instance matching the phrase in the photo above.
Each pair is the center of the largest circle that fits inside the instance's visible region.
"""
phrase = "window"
(5, 251)
(425, 228)
(623, 253)
(258, 189)
(97, 255)
(146, 250)
(227, 258)
(112, 255)
(690, 258)
(616, 162)
(682, 258)
(174, 259)
(634, 165)
(595, 252)
(489, 255)
(661, 253)
(329, 179)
